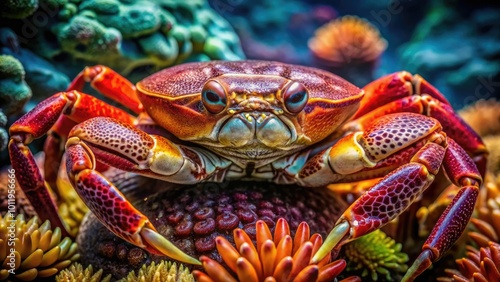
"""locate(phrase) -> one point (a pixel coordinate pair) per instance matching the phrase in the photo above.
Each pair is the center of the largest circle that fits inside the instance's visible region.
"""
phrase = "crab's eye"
(295, 97)
(213, 96)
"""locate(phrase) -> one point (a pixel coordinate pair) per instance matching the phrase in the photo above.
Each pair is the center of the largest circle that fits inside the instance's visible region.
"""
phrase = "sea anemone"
(376, 255)
(347, 41)
(193, 216)
(478, 265)
(163, 271)
(75, 273)
(273, 258)
(39, 250)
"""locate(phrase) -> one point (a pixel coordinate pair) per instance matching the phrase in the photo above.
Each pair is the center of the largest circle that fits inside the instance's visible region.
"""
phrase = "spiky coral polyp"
(376, 255)
(39, 251)
(273, 258)
(479, 265)
(347, 40)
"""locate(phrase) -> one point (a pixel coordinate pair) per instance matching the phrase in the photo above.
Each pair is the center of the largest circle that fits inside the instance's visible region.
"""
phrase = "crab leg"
(110, 84)
(402, 92)
(105, 81)
(112, 208)
(128, 148)
(361, 152)
(123, 146)
(78, 107)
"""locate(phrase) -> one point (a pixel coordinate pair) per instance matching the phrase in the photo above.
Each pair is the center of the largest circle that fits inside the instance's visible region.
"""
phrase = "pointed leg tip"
(336, 236)
(423, 262)
(164, 246)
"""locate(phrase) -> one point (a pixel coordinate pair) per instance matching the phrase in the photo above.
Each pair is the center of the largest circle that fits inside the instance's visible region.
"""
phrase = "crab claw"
(160, 244)
(333, 240)
(112, 208)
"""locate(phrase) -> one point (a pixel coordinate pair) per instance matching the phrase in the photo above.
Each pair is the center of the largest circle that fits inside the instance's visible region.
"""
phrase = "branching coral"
(39, 250)
(76, 273)
(273, 258)
(347, 40)
(376, 255)
(160, 272)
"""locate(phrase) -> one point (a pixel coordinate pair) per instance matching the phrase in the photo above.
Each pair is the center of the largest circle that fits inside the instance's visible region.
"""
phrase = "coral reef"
(347, 40)
(71, 208)
(128, 35)
(39, 250)
(14, 92)
(457, 52)
(4, 137)
(484, 117)
(41, 75)
(275, 30)
(162, 271)
(376, 256)
(273, 258)
(76, 273)
(18, 9)
(350, 47)
(193, 216)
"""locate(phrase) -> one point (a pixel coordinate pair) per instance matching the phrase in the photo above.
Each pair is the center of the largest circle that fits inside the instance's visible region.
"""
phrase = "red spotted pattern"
(391, 133)
(387, 199)
(112, 135)
(459, 165)
(108, 204)
(453, 222)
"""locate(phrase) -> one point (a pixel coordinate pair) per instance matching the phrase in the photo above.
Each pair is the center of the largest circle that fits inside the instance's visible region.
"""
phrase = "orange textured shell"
(172, 96)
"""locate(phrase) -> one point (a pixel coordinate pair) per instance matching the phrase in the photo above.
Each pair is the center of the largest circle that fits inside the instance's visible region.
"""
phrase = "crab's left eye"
(295, 97)
(213, 97)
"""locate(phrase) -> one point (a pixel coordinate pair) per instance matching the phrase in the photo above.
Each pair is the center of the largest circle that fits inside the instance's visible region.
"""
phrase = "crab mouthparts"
(262, 127)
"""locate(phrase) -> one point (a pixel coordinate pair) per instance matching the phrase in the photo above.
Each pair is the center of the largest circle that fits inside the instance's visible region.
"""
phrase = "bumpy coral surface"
(127, 35)
(273, 258)
(76, 273)
(14, 92)
(39, 251)
(18, 9)
(193, 216)
(160, 272)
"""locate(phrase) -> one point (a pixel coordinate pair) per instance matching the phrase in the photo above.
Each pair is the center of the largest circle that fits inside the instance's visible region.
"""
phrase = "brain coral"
(131, 34)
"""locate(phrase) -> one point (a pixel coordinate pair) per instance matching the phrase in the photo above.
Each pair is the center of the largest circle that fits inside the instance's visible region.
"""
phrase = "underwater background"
(453, 44)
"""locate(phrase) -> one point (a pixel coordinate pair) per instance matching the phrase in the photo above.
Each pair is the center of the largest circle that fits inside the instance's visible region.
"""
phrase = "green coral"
(130, 34)
(18, 9)
(76, 273)
(4, 137)
(14, 92)
(163, 271)
(376, 255)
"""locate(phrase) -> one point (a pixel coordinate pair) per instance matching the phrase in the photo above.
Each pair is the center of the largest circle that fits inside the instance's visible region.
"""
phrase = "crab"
(219, 120)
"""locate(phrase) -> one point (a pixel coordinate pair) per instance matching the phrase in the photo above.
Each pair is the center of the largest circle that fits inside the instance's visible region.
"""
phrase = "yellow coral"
(162, 272)
(38, 251)
(76, 273)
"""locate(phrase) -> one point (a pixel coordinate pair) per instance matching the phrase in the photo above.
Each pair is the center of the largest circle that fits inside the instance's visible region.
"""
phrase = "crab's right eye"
(213, 96)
